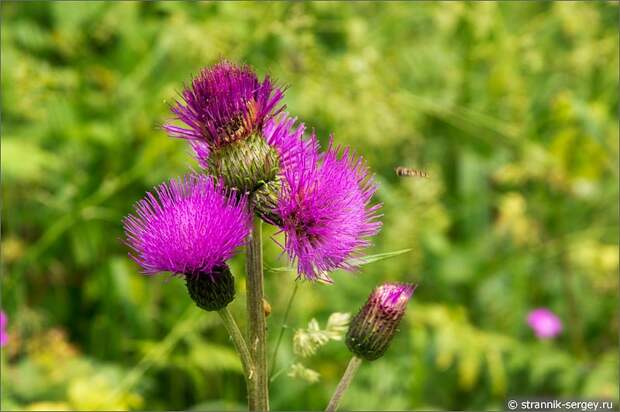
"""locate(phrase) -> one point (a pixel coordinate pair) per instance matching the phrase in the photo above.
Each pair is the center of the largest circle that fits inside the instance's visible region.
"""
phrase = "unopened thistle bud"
(373, 328)
(190, 227)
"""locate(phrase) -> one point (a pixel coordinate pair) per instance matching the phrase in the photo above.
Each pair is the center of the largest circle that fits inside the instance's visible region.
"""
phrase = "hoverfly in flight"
(408, 172)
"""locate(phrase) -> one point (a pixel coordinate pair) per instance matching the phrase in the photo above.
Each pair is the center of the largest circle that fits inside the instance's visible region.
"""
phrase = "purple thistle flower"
(546, 324)
(4, 336)
(189, 226)
(224, 103)
(374, 326)
(287, 138)
(324, 210)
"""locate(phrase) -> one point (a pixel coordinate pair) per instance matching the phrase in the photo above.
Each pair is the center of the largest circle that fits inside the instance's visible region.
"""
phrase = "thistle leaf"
(364, 260)
(360, 261)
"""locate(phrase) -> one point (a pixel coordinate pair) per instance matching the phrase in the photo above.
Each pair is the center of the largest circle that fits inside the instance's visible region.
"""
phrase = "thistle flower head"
(224, 103)
(325, 211)
(187, 226)
(224, 111)
(376, 323)
(544, 323)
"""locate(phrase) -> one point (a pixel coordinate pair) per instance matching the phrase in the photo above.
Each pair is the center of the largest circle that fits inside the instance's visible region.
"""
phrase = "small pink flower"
(546, 324)
(4, 336)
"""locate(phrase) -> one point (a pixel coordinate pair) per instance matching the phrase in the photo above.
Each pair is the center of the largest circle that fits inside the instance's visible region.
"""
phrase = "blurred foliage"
(510, 107)
(307, 341)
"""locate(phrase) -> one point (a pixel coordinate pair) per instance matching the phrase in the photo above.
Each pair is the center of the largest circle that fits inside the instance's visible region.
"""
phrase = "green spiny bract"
(211, 291)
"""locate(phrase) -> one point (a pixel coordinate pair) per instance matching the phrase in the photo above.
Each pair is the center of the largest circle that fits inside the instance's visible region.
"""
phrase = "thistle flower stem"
(284, 326)
(257, 328)
(244, 352)
(344, 383)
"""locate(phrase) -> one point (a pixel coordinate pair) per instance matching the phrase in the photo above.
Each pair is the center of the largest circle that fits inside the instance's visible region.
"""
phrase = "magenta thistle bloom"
(224, 103)
(4, 336)
(286, 137)
(325, 210)
(546, 324)
(373, 328)
(188, 226)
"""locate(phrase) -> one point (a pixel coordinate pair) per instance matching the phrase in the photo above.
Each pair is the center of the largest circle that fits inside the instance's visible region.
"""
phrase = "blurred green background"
(510, 108)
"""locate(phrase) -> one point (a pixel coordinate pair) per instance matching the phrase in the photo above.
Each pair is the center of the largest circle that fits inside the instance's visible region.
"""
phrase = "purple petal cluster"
(187, 226)
(392, 296)
(224, 103)
(325, 210)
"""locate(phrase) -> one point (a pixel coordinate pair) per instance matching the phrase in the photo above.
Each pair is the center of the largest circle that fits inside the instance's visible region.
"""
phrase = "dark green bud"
(211, 291)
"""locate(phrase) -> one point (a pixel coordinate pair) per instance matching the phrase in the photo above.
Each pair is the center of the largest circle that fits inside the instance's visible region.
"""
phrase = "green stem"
(257, 328)
(278, 373)
(244, 352)
(274, 357)
(344, 383)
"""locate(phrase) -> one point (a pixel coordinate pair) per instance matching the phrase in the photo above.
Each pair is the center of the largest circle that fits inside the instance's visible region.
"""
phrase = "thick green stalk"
(244, 353)
(344, 383)
(257, 328)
